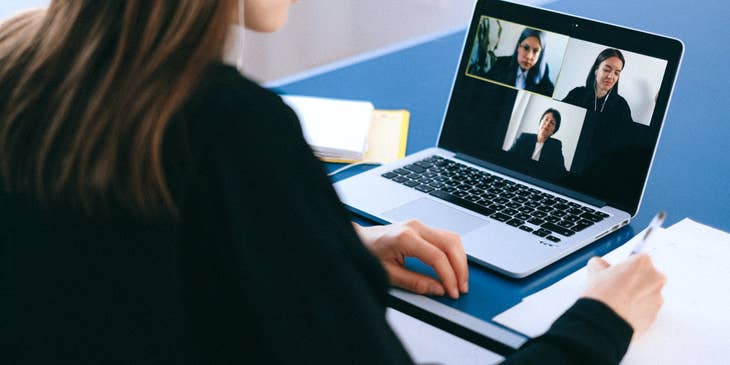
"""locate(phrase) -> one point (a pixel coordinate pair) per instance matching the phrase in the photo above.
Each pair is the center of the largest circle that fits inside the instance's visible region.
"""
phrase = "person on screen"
(612, 148)
(542, 147)
(600, 93)
(159, 207)
(526, 68)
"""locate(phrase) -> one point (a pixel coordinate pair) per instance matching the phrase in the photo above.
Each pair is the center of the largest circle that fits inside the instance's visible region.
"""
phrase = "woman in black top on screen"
(612, 148)
(526, 68)
(140, 222)
(608, 124)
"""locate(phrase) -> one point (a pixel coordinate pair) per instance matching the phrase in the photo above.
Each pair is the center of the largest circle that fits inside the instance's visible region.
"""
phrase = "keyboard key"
(515, 222)
(575, 211)
(400, 179)
(565, 224)
(522, 216)
(389, 175)
(461, 202)
(553, 238)
(541, 232)
(571, 218)
(534, 204)
(581, 226)
(526, 228)
(424, 188)
(558, 213)
(414, 168)
(558, 229)
(526, 210)
(552, 219)
(509, 211)
(401, 172)
(591, 217)
(411, 183)
(500, 200)
(536, 221)
(500, 217)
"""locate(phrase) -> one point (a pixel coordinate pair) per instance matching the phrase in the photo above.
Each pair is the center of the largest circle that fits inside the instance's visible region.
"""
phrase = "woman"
(526, 69)
(541, 146)
(141, 224)
(600, 94)
(609, 139)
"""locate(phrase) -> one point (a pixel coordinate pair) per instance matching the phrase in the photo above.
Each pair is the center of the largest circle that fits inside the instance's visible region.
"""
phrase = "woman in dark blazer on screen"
(141, 224)
(526, 69)
(542, 147)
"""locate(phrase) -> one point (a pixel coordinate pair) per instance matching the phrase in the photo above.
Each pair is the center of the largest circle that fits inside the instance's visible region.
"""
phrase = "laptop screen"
(569, 101)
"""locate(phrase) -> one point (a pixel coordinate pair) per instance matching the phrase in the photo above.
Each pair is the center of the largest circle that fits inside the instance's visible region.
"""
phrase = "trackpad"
(436, 215)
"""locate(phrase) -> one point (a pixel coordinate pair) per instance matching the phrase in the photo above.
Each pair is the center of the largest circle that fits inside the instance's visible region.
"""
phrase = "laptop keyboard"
(521, 206)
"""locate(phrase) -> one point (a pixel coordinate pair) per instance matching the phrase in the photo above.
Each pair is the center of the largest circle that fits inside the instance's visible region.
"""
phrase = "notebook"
(546, 143)
(334, 129)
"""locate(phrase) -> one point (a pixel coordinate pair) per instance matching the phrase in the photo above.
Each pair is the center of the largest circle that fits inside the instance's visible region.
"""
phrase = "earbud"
(242, 23)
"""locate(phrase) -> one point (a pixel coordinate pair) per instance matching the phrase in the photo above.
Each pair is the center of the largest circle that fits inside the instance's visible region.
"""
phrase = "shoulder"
(224, 101)
(501, 65)
(554, 142)
(577, 96)
(527, 137)
(578, 91)
(620, 101)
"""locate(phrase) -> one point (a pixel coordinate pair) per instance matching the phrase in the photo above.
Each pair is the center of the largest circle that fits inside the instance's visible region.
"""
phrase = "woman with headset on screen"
(611, 147)
(141, 224)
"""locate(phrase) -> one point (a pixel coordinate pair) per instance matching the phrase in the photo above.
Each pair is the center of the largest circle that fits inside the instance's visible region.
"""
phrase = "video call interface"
(571, 112)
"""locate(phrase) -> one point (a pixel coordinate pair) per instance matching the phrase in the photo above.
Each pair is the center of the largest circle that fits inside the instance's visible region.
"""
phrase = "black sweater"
(263, 266)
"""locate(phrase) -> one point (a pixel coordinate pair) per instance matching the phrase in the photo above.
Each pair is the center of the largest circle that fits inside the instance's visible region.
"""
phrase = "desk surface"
(691, 172)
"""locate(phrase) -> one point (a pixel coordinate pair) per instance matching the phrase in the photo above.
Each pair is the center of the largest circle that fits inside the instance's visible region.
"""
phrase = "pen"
(653, 226)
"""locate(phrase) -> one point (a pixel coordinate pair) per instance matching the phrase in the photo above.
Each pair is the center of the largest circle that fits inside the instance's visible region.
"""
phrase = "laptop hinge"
(534, 181)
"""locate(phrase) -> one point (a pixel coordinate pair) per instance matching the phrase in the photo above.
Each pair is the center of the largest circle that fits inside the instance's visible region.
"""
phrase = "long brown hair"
(87, 89)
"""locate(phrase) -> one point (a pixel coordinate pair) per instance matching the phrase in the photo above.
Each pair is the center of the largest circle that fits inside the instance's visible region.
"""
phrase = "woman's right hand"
(632, 289)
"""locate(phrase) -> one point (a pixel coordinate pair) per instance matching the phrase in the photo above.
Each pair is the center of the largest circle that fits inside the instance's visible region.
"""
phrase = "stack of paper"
(693, 324)
(335, 129)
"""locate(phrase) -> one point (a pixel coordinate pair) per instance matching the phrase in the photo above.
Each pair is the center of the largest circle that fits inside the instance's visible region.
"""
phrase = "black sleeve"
(588, 333)
(293, 283)
(575, 97)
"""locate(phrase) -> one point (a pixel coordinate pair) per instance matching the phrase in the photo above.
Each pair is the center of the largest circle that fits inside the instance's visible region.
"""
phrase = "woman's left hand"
(442, 250)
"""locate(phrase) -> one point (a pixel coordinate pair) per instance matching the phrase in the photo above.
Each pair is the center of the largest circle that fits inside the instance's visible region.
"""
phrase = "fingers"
(450, 244)
(413, 281)
(596, 264)
(416, 246)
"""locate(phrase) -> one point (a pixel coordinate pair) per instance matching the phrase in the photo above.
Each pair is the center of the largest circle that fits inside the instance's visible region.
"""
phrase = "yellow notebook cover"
(387, 138)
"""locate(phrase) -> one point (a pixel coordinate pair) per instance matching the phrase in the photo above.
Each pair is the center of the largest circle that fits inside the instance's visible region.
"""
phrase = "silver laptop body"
(512, 246)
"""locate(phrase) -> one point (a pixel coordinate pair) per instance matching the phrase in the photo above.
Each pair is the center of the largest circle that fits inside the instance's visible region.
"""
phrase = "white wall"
(639, 82)
(325, 31)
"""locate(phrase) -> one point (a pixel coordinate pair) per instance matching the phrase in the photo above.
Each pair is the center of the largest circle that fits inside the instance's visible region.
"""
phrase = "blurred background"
(320, 32)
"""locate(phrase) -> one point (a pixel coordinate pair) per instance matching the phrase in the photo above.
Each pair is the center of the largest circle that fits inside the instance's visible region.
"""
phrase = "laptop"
(546, 143)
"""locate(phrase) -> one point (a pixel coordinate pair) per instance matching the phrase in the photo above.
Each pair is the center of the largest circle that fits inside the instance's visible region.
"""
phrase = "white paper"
(430, 345)
(333, 128)
(693, 326)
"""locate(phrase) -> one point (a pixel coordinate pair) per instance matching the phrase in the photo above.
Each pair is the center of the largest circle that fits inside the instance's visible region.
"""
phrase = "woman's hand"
(439, 249)
(632, 289)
